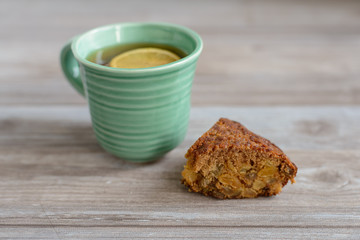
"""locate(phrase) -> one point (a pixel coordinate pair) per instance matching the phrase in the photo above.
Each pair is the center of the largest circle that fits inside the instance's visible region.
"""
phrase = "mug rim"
(193, 55)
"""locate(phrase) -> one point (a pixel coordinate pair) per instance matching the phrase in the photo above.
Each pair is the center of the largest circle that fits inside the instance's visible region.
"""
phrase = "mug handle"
(70, 68)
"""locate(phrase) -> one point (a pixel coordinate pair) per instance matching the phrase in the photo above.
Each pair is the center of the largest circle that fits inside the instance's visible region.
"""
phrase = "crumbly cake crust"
(230, 161)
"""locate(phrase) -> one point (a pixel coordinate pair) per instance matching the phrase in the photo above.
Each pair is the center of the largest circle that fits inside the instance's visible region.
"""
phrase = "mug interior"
(124, 33)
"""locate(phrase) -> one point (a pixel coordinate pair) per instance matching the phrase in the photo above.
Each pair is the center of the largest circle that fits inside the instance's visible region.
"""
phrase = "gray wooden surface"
(279, 52)
(55, 181)
(288, 70)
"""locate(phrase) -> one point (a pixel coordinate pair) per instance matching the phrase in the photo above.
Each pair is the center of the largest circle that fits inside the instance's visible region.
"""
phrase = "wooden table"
(288, 70)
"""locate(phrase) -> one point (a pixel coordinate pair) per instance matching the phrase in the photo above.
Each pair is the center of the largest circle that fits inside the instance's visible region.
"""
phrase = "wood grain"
(56, 182)
(260, 52)
(288, 70)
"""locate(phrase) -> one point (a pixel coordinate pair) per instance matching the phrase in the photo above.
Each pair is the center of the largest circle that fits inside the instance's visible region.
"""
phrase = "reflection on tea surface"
(105, 55)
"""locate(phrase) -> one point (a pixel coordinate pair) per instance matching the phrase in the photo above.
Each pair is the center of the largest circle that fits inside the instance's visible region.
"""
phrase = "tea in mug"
(136, 55)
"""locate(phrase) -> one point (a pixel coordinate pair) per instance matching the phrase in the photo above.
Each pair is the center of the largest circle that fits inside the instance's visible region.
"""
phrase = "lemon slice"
(143, 58)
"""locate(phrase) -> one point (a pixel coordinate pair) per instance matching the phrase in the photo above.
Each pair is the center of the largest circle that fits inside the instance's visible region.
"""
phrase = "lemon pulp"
(143, 58)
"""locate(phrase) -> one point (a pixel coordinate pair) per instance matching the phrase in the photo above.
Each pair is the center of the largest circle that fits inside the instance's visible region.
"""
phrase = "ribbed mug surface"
(137, 114)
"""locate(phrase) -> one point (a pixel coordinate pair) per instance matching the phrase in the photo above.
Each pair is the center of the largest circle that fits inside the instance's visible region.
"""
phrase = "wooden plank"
(56, 182)
(256, 52)
(306, 128)
(195, 232)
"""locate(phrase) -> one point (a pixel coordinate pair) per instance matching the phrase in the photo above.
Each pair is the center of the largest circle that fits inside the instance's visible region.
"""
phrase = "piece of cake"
(230, 161)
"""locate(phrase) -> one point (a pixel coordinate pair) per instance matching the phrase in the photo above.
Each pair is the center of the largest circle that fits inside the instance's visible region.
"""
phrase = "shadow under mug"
(137, 114)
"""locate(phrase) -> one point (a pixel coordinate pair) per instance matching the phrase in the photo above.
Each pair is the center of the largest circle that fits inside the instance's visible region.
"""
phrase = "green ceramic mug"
(137, 114)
